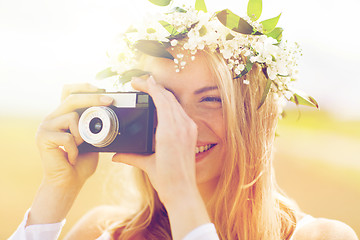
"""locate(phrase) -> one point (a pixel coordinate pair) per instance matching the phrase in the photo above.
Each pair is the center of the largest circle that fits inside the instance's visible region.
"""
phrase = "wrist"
(174, 194)
(187, 204)
(52, 203)
(186, 213)
(65, 185)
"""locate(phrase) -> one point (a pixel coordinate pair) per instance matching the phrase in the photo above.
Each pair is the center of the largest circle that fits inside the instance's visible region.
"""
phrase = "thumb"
(136, 160)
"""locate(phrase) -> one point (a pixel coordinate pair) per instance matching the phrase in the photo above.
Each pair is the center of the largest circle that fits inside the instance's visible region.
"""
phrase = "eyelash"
(211, 99)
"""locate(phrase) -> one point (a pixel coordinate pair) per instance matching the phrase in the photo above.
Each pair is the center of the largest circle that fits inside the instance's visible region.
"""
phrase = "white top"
(203, 232)
(52, 232)
(37, 232)
(304, 221)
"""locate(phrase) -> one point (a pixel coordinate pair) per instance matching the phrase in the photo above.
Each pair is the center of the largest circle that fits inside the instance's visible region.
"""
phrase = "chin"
(209, 164)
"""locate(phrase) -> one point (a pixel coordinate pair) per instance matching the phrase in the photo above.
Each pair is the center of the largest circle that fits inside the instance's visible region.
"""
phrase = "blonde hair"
(246, 203)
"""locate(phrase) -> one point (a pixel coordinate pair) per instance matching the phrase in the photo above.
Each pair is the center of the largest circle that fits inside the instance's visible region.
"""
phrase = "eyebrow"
(199, 91)
(205, 89)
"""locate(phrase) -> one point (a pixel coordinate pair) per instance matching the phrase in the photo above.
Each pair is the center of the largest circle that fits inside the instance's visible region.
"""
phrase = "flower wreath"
(223, 31)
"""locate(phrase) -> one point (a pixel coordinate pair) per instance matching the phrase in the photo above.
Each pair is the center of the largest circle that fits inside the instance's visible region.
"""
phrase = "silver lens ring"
(108, 130)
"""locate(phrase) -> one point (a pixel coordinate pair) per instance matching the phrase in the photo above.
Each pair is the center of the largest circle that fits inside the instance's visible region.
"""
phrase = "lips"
(204, 148)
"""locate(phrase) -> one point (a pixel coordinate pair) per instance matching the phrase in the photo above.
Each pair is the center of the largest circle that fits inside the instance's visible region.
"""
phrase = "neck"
(207, 190)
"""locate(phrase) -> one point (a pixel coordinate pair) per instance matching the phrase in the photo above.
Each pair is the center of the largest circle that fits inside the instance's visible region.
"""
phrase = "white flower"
(226, 53)
(271, 73)
(241, 67)
(174, 42)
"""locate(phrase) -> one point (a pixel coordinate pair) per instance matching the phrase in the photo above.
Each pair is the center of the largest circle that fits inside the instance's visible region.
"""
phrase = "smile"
(204, 148)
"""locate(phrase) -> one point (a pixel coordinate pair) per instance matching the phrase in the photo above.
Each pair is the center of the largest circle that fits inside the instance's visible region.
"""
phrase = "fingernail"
(151, 80)
(136, 79)
(106, 99)
(101, 90)
(115, 158)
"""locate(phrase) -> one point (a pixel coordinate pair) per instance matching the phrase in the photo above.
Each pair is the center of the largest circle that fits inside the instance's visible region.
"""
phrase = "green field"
(317, 163)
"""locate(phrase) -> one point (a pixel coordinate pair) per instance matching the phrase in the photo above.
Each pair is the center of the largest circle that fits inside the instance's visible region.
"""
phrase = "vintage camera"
(127, 126)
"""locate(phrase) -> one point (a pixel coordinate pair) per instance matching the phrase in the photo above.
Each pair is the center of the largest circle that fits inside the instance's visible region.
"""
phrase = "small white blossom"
(174, 42)
(241, 67)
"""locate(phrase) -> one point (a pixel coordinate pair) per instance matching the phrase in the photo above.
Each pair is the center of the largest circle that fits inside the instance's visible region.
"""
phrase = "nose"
(189, 107)
(191, 111)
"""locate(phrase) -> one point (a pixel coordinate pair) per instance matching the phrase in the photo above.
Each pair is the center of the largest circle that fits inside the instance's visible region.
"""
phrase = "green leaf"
(276, 33)
(300, 98)
(202, 31)
(270, 24)
(177, 9)
(229, 36)
(150, 30)
(247, 69)
(170, 28)
(234, 22)
(161, 3)
(265, 93)
(105, 74)
(154, 48)
(131, 29)
(254, 9)
(128, 75)
(200, 5)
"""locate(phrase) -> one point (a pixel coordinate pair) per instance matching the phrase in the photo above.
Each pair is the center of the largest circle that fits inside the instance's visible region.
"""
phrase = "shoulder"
(322, 228)
(94, 222)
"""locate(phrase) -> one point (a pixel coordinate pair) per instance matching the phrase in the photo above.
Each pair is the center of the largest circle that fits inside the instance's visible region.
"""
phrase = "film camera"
(127, 126)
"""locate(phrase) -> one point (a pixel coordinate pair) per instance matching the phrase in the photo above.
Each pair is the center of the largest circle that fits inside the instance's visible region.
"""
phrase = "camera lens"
(95, 125)
(99, 126)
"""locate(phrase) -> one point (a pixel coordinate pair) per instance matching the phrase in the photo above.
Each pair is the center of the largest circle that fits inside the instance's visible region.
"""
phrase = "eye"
(211, 99)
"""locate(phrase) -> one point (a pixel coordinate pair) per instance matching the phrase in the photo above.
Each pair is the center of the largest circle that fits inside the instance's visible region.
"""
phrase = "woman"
(211, 174)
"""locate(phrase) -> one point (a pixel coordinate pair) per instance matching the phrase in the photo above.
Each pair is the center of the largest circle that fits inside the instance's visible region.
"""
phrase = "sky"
(46, 44)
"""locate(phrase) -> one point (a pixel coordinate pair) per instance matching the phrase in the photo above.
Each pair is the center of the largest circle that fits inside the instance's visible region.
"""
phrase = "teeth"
(203, 148)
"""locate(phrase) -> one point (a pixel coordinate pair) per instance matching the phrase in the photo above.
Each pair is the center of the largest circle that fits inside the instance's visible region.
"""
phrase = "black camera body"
(127, 126)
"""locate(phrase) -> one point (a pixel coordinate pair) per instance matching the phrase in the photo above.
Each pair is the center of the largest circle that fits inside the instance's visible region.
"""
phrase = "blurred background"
(46, 44)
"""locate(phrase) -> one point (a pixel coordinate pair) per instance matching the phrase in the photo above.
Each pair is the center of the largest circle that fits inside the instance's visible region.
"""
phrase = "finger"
(63, 140)
(139, 84)
(136, 160)
(67, 122)
(151, 87)
(77, 101)
(169, 110)
(160, 102)
(73, 88)
(168, 107)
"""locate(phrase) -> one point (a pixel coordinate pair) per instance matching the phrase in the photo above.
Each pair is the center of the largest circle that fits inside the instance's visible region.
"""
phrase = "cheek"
(219, 128)
(216, 123)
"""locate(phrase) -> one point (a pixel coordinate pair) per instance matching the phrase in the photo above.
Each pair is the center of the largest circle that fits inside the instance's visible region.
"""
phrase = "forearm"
(52, 203)
(185, 214)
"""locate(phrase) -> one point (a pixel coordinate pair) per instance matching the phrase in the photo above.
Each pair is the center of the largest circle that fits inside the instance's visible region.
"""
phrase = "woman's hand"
(58, 137)
(65, 171)
(171, 169)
